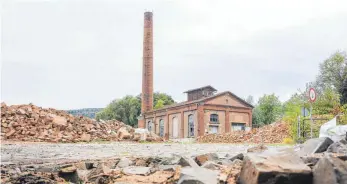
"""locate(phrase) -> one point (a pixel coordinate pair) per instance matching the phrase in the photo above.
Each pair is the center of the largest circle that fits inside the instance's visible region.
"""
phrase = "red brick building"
(205, 111)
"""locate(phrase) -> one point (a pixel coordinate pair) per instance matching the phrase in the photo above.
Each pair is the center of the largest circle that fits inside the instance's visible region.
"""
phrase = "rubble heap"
(318, 161)
(273, 133)
(36, 124)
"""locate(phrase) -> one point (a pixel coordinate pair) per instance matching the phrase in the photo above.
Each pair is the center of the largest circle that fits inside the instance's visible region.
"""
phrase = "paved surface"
(49, 152)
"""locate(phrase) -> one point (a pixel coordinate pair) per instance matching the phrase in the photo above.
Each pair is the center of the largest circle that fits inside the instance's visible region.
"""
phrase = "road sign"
(312, 95)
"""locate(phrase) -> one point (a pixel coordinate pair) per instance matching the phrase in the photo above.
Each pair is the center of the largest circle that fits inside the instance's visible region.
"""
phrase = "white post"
(299, 133)
(311, 121)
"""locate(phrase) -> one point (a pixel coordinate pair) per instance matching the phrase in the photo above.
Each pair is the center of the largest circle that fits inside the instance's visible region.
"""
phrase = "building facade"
(208, 113)
(205, 111)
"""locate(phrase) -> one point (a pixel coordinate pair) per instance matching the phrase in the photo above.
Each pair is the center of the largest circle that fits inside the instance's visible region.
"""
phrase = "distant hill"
(87, 112)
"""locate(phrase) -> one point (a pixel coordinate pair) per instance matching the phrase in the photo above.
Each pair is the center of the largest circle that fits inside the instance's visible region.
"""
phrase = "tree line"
(331, 89)
(330, 86)
(128, 109)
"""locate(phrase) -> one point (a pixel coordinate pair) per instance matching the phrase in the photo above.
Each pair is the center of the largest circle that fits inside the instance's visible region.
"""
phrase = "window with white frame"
(214, 118)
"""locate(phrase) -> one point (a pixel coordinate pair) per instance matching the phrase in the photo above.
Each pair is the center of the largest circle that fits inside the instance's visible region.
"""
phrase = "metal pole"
(311, 121)
(299, 127)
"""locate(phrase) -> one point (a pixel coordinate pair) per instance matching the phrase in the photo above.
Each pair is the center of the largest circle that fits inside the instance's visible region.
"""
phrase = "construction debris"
(36, 124)
(273, 133)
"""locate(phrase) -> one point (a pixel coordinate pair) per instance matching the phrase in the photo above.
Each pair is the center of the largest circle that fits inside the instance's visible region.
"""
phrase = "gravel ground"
(27, 153)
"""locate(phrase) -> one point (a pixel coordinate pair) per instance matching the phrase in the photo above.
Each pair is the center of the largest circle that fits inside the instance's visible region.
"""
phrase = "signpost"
(312, 97)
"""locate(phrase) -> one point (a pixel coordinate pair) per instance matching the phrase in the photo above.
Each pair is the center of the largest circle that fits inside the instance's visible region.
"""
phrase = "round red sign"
(312, 94)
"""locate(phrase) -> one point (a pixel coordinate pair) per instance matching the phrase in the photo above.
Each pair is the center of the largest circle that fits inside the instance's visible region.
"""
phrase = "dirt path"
(26, 153)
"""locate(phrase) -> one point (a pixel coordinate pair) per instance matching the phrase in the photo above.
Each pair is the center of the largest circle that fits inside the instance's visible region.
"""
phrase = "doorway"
(174, 127)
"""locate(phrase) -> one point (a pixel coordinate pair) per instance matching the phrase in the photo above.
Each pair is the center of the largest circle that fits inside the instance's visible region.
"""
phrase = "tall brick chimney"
(147, 65)
(147, 68)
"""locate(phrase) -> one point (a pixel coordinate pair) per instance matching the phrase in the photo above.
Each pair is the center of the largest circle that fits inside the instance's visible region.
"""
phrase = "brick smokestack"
(147, 65)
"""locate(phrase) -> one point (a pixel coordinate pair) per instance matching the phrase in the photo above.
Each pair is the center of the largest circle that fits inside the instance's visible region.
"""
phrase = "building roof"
(202, 100)
(204, 87)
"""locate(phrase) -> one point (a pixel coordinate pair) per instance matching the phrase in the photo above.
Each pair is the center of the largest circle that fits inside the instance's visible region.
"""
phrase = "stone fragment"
(310, 160)
(136, 170)
(124, 162)
(141, 162)
(211, 165)
(11, 132)
(338, 147)
(123, 133)
(257, 149)
(69, 174)
(198, 175)
(330, 170)
(315, 145)
(201, 159)
(85, 137)
(238, 156)
(224, 162)
(171, 168)
(59, 120)
(187, 162)
(274, 168)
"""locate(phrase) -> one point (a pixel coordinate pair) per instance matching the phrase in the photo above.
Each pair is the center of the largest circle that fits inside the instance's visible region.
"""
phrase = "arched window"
(149, 126)
(191, 125)
(161, 128)
(214, 118)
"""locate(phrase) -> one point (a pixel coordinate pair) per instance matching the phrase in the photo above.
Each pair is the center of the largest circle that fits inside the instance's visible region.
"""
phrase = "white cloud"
(73, 54)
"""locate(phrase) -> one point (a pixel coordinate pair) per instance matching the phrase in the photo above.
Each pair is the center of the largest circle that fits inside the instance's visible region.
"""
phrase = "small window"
(214, 118)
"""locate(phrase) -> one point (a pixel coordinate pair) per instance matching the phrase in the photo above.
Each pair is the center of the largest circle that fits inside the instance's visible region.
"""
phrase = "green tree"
(257, 118)
(343, 97)
(250, 100)
(159, 104)
(128, 108)
(333, 72)
(270, 108)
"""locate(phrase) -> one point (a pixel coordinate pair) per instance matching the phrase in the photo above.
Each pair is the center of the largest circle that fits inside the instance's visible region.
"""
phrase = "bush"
(288, 140)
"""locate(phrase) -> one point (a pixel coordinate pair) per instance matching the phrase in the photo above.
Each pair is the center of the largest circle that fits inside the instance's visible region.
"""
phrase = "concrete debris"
(201, 159)
(338, 147)
(268, 166)
(273, 133)
(36, 124)
(271, 168)
(198, 175)
(137, 170)
(257, 149)
(315, 145)
(330, 170)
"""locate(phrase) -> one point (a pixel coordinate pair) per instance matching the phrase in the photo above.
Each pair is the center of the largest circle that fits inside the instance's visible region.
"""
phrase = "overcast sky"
(73, 54)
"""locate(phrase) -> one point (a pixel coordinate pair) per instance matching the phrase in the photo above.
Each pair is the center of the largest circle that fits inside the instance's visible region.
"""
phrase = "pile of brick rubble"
(273, 133)
(36, 124)
(319, 161)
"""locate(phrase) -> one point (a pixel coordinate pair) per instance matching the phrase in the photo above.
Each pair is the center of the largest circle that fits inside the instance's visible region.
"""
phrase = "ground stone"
(135, 170)
(201, 159)
(211, 165)
(238, 156)
(124, 162)
(257, 149)
(338, 147)
(187, 162)
(274, 168)
(168, 167)
(315, 145)
(330, 170)
(198, 176)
